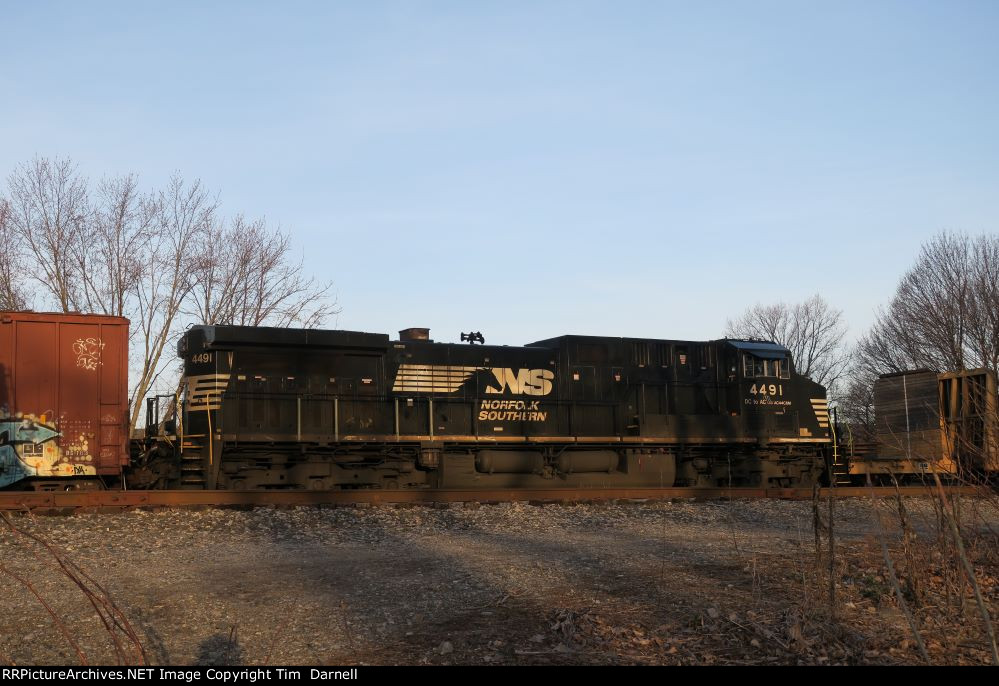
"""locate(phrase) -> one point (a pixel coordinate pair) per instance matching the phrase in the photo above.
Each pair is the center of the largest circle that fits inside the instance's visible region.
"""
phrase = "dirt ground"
(649, 583)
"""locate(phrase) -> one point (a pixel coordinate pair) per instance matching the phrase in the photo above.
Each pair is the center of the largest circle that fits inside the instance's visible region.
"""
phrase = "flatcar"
(269, 408)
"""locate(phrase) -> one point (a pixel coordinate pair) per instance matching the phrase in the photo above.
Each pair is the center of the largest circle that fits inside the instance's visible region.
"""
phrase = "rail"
(70, 501)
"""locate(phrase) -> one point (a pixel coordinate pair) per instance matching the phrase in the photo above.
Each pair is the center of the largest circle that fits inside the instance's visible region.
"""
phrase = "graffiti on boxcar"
(28, 448)
(88, 353)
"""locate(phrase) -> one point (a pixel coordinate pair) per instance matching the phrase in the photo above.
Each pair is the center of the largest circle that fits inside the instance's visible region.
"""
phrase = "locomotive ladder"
(192, 466)
(839, 466)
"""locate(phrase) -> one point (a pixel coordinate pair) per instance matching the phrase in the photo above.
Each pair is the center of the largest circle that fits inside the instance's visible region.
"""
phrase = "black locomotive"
(309, 409)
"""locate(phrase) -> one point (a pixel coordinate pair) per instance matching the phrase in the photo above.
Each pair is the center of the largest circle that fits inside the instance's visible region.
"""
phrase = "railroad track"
(70, 501)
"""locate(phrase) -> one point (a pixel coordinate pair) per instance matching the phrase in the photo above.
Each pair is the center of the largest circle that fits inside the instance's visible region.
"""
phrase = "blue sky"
(530, 169)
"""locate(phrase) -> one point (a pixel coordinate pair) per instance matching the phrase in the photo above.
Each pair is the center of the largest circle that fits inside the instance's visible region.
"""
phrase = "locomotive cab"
(778, 404)
(761, 360)
(759, 373)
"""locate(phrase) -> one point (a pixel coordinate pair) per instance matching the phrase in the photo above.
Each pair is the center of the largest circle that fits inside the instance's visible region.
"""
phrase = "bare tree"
(982, 337)
(48, 209)
(161, 259)
(181, 215)
(813, 331)
(12, 292)
(244, 275)
(945, 312)
(108, 252)
(856, 405)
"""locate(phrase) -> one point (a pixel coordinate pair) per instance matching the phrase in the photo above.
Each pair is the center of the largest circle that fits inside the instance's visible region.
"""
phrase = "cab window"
(753, 367)
(785, 369)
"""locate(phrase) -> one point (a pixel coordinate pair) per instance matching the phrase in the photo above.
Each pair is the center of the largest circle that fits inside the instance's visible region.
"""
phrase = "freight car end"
(63, 399)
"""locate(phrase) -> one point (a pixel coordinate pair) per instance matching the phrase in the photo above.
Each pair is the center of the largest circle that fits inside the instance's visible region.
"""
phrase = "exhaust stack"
(414, 334)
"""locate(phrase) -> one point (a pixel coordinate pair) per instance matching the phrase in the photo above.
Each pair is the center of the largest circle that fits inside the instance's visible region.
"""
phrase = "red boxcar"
(63, 395)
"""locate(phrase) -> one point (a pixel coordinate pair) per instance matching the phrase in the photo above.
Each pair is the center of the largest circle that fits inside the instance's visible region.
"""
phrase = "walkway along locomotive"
(268, 408)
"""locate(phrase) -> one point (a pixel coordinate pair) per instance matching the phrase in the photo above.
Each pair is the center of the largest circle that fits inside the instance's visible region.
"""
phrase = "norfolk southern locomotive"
(268, 408)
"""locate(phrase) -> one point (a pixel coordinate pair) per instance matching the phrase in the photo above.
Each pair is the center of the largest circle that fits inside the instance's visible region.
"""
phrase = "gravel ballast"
(630, 583)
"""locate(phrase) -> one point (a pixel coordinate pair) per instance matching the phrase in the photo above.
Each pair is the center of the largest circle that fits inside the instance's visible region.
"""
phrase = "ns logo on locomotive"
(267, 408)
